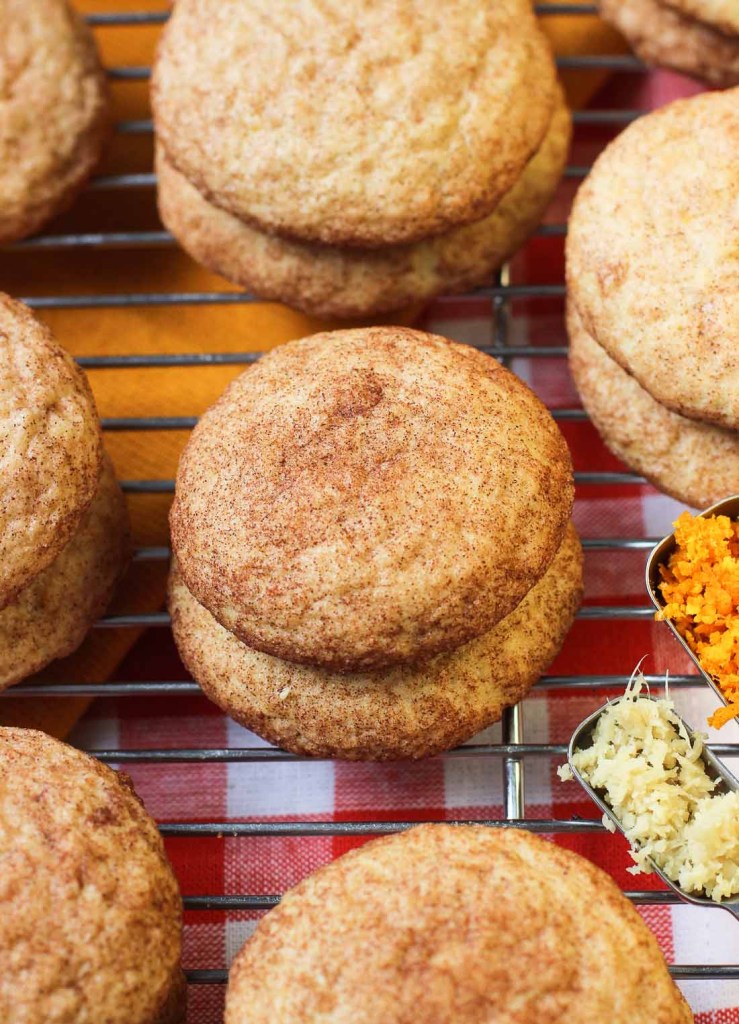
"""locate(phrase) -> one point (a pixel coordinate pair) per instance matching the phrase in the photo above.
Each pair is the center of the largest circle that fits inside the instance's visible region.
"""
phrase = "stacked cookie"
(455, 923)
(373, 549)
(348, 159)
(653, 297)
(697, 37)
(90, 911)
(54, 112)
(63, 522)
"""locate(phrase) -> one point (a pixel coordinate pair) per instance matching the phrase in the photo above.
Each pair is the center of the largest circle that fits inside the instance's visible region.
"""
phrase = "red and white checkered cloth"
(439, 789)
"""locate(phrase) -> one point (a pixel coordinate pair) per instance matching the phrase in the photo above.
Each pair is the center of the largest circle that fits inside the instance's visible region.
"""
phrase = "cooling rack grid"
(498, 313)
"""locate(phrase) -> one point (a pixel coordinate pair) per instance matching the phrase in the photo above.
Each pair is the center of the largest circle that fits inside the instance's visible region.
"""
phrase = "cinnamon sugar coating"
(461, 923)
(90, 912)
(367, 123)
(50, 447)
(694, 462)
(409, 711)
(364, 498)
(653, 260)
(335, 281)
(54, 111)
(52, 614)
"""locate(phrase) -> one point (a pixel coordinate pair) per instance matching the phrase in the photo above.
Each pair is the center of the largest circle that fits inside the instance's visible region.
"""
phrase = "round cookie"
(462, 923)
(723, 14)
(342, 282)
(662, 35)
(364, 498)
(410, 711)
(365, 123)
(54, 112)
(50, 447)
(652, 255)
(90, 912)
(693, 462)
(51, 616)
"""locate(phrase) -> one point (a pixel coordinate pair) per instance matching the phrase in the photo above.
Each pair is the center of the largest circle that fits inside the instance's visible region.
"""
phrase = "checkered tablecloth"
(442, 788)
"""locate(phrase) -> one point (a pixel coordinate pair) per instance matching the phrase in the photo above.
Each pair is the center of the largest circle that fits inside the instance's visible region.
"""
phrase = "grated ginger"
(653, 776)
(700, 587)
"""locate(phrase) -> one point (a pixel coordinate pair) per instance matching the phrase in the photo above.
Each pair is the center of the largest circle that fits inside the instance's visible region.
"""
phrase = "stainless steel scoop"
(583, 737)
(660, 554)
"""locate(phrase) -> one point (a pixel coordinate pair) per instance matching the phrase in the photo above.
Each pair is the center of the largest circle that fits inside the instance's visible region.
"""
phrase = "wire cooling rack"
(513, 751)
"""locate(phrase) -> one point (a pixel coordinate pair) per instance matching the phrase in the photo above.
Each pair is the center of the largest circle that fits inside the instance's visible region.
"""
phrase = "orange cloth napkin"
(157, 329)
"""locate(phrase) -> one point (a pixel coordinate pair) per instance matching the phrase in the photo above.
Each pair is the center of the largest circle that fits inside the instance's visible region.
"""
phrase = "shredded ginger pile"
(700, 587)
(652, 774)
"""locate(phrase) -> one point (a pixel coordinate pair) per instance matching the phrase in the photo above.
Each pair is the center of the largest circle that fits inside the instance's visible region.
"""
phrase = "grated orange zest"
(700, 587)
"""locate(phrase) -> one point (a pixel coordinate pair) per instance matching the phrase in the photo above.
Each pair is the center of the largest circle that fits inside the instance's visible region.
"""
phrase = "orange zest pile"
(700, 587)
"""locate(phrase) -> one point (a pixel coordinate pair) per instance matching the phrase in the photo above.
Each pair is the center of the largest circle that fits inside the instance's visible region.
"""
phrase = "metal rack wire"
(513, 750)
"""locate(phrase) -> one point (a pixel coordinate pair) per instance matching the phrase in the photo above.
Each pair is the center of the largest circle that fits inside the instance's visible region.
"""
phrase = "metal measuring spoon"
(582, 738)
(660, 555)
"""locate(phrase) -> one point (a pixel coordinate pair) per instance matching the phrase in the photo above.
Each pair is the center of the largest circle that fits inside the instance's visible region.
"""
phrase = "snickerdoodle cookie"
(53, 111)
(363, 123)
(409, 711)
(50, 448)
(52, 614)
(90, 912)
(694, 462)
(691, 36)
(351, 158)
(469, 924)
(365, 498)
(350, 282)
(653, 255)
